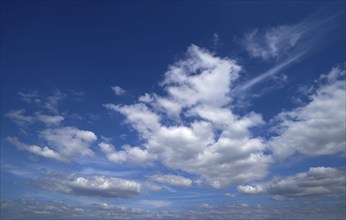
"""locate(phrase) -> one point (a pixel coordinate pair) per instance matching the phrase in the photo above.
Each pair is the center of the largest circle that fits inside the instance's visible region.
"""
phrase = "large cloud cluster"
(203, 136)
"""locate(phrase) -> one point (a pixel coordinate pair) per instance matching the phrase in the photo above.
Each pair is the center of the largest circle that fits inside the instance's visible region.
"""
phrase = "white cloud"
(319, 127)
(69, 141)
(251, 189)
(146, 98)
(129, 154)
(173, 180)
(30, 208)
(286, 44)
(203, 135)
(272, 43)
(64, 143)
(316, 181)
(50, 120)
(41, 151)
(51, 103)
(30, 96)
(18, 117)
(118, 90)
(230, 195)
(156, 203)
(216, 40)
(101, 186)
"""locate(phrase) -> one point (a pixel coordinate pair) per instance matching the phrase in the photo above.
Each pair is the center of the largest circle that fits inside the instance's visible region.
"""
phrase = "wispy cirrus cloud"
(287, 44)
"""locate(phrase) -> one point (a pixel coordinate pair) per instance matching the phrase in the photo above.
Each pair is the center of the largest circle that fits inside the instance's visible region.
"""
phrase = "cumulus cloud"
(203, 136)
(69, 141)
(173, 180)
(319, 127)
(129, 154)
(100, 186)
(65, 143)
(118, 90)
(316, 181)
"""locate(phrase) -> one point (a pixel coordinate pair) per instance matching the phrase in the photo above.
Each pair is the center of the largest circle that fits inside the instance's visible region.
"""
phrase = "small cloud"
(41, 151)
(216, 40)
(130, 154)
(229, 195)
(118, 90)
(50, 120)
(156, 203)
(271, 44)
(205, 206)
(173, 180)
(146, 98)
(18, 117)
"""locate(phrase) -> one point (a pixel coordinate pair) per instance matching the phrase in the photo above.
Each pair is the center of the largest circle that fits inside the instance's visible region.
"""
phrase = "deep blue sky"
(73, 79)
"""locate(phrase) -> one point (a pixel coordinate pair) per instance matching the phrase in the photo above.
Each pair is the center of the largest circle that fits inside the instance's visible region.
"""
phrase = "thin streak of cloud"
(310, 35)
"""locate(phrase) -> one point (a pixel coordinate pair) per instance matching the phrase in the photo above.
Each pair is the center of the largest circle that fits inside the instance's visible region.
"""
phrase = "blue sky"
(173, 110)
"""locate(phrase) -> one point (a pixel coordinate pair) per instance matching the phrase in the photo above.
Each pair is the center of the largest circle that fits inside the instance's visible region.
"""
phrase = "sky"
(173, 110)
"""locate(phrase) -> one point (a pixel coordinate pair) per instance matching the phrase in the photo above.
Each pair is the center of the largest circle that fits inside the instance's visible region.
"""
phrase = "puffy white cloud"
(173, 180)
(139, 116)
(69, 141)
(130, 154)
(316, 181)
(146, 98)
(203, 135)
(319, 127)
(101, 186)
(250, 189)
(118, 90)
(200, 78)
